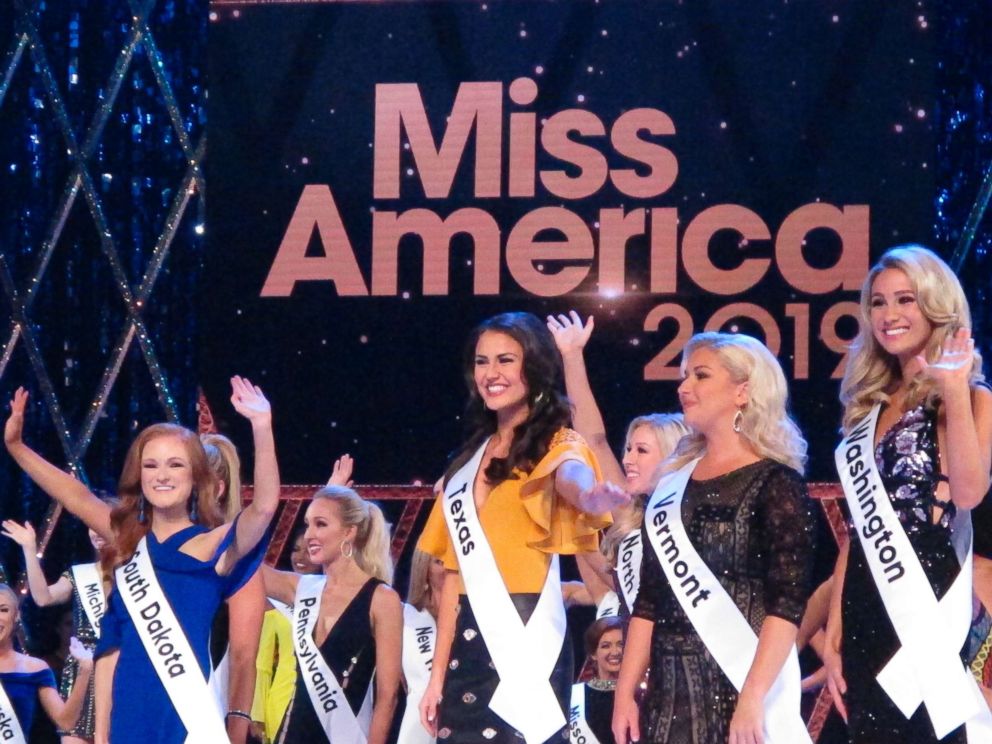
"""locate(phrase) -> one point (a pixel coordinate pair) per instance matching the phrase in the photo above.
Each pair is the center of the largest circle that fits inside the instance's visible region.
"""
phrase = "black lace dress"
(349, 651)
(909, 466)
(755, 529)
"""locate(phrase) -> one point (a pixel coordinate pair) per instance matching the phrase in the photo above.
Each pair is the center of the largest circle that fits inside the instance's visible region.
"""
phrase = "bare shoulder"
(204, 545)
(386, 601)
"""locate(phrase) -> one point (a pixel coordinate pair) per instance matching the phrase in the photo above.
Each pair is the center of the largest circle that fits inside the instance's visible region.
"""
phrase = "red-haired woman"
(171, 573)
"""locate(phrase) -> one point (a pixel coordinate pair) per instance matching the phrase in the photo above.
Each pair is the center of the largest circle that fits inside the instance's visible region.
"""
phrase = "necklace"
(603, 685)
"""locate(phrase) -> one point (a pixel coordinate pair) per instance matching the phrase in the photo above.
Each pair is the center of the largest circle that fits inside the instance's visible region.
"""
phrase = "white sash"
(336, 717)
(629, 553)
(419, 636)
(609, 606)
(578, 728)
(285, 609)
(717, 620)
(89, 590)
(169, 649)
(524, 655)
(220, 680)
(10, 727)
(927, 668)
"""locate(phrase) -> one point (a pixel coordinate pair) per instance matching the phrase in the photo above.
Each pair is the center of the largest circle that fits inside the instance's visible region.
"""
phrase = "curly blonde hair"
(766, 424)
(871, 372)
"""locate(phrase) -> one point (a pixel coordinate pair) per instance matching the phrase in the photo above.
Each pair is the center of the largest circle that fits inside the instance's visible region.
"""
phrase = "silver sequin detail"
(469, 634)
(453, 664)
(489, 733)
(444, 733)
(469, 697)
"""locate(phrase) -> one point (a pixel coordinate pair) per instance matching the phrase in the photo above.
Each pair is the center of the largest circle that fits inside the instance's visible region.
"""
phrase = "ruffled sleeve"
(110, 626)
(435, 538)
(561, 528)
(247, 565)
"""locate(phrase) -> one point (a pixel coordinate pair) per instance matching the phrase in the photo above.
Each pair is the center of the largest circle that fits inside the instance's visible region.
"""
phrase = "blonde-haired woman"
(348, 625)
(918, 427)
(729, 527)
(649, 440)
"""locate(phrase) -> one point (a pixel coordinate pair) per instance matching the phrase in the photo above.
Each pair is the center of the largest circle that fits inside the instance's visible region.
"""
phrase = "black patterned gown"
(754, 527)
(909, 466)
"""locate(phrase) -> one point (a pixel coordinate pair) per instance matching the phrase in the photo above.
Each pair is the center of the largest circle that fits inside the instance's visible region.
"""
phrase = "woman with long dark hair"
(518, 493)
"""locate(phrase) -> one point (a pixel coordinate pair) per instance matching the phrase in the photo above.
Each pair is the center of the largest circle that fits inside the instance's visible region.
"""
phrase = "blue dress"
(22, 689)
(141, 708)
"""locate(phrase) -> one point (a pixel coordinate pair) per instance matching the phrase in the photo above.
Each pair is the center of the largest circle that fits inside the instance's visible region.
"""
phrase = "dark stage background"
(124, 289)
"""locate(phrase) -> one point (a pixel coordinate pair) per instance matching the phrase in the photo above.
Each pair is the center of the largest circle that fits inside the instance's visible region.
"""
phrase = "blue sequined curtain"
(101, 134)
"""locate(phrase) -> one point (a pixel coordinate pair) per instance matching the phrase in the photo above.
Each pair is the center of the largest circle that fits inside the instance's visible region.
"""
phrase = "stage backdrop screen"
(384, 175)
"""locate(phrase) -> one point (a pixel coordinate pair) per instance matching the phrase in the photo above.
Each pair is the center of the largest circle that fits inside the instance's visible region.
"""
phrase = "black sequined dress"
(755, 529)
(909, 466)
(82, 629)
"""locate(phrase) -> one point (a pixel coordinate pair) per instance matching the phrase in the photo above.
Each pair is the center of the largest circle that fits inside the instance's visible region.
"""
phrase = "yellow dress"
(275, 668)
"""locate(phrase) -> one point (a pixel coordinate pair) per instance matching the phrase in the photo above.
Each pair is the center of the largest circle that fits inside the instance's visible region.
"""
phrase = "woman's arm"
(65, 713)
(966, 452)
(776, 639)
(447, 612)
(61, 486)
(387, 627)
(250, 402)
(592, 568)
(103, 685)
(576, 483)
(245, 611)
(832, 643)
(636, 657)
(816, 615)
(280, 585)
(42, 593)
(571, 337)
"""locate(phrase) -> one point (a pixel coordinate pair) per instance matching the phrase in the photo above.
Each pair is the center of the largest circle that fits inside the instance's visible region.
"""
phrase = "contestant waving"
(914, 461)
(728, 545)
(171, 573)
(347, 625)
(520, 491)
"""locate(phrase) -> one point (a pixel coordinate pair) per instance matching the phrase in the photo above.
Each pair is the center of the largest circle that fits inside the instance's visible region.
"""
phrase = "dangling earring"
(539, 398)
(192, 508)
(738, 420)
(141, 510)
(350, 551)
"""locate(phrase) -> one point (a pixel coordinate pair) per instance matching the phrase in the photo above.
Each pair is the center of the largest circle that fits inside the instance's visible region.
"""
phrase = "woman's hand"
(747, 724)
(429, 705)
(569, 333)
(15, 422)
(955, 362)
(604, 497)
(626, 720)
(250, 401)
(23, 535)
(835, 677)
(79, 652)
(341, 474)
